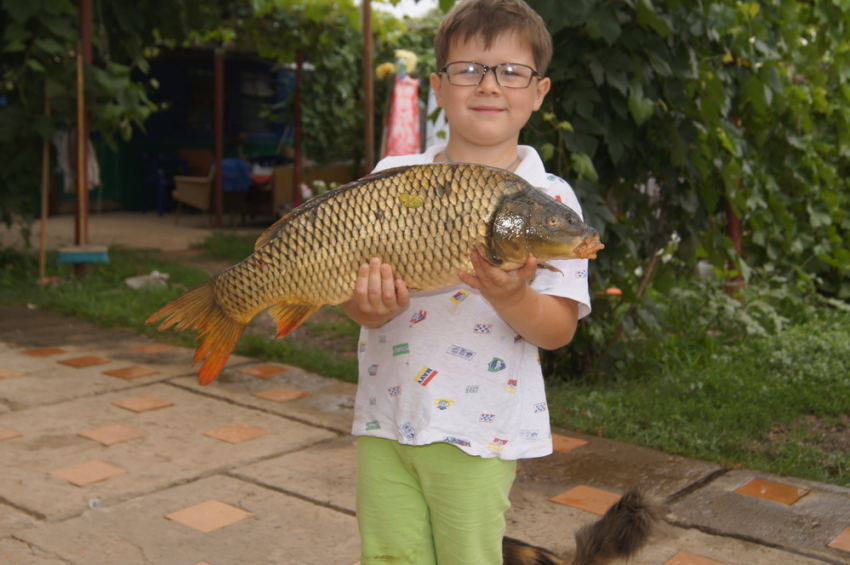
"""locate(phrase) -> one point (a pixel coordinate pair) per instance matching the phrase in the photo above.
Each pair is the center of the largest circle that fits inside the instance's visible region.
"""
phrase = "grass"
(778, 401)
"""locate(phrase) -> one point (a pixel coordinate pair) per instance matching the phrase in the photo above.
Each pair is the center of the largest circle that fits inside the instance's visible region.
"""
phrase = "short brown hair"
(490, 18)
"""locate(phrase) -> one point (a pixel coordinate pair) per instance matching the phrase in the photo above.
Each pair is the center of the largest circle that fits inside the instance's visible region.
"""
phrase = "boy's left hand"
(495, 284)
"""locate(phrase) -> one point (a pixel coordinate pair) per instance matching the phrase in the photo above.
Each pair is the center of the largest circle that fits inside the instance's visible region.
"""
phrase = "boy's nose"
(488, 82)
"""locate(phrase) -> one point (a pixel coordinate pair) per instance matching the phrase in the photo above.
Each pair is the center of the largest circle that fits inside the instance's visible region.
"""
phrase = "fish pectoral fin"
(290, 314)
(549, 267)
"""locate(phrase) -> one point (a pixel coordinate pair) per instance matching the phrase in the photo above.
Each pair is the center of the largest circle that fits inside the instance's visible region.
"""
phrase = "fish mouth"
(587, 249)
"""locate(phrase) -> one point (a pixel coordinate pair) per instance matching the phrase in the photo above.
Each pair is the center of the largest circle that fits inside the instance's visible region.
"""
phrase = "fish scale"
(422, 220)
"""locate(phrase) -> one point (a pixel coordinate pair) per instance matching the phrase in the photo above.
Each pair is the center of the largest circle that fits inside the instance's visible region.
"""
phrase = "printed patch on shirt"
(459, 296)
(472, 389)
(487, 418)
(424, 376)
(373, 370)
(538, 358)
(373, 425)
(443, 403)
(498, 444)
(496, 365)
(511, 386)
(457, 441)
(418, 317)
(372, 401)
(539, 407)
(482, 328)
(518, 338)
(401, 349)
(362, 347)
(528, 435)
(394, 391)
(582, 274)
(407, 430)
(382, 339)
(461, 352)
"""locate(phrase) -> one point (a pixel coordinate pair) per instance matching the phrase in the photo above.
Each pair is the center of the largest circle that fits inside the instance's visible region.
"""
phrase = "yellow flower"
(410, 59)
(383, 70)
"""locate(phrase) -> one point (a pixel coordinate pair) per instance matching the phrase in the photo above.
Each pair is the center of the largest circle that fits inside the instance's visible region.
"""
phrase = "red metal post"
(218, 187)
(81, 223)
(368, 89)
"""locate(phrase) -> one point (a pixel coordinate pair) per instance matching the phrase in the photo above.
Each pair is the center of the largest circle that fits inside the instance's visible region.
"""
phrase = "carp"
(423, 220)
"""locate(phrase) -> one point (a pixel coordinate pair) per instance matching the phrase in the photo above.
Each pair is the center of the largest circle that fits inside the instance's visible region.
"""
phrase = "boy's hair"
(490, 18)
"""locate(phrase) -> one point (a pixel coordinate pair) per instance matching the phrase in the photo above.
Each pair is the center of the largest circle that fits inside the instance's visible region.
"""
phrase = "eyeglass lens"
(510, 75)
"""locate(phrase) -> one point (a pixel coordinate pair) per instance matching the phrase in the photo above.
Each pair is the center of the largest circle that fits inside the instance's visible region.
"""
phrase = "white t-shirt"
(449, 369)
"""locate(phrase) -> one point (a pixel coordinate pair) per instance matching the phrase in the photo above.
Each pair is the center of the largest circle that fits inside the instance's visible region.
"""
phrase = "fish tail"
(197, 309)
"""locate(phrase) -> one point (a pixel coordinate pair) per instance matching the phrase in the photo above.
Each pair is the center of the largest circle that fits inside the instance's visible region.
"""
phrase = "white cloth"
(63, 140)
(449, 369)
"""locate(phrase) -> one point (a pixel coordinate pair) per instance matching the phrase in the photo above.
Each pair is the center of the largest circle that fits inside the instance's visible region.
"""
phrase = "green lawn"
(779, 401)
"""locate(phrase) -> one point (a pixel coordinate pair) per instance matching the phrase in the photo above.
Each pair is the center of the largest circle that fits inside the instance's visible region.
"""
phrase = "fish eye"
(552, 221)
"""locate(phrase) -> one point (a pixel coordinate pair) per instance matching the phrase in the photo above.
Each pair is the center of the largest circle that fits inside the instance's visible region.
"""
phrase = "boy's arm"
(377, 297)
(547, 321)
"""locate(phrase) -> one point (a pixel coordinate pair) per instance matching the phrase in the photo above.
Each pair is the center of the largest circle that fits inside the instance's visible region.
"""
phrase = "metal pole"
(368, 88)
(218, 188)
(81, 235)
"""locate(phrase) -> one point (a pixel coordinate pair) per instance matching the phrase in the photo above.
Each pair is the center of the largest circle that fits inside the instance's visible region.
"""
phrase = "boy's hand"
(377, 297)
(496, 285)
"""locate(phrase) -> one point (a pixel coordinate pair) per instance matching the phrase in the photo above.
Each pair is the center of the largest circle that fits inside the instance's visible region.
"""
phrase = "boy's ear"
(437, 87)
(543, 86)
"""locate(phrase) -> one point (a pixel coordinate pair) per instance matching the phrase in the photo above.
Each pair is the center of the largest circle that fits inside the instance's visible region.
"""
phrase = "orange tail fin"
(218, 332)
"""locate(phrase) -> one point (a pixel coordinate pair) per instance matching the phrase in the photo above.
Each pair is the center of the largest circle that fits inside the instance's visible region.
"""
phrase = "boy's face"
(489, 114)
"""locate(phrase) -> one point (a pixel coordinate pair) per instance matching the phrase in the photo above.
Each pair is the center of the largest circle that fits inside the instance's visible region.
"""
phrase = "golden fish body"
(422, 220)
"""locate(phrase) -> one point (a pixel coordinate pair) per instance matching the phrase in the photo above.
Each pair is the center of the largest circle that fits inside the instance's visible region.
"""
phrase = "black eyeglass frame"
(487, 69)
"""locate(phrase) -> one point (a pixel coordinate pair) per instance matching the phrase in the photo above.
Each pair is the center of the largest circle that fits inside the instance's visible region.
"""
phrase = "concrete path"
(110, 453)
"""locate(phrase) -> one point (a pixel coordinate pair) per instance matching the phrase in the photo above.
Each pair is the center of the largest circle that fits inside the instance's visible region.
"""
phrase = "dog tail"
(620, 533)
(516, 552)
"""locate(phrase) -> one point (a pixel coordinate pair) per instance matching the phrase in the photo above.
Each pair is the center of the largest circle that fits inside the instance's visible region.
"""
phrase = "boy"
(450, 392)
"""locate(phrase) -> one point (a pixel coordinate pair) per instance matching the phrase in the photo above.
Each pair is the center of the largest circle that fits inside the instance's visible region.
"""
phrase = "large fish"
(423, 220)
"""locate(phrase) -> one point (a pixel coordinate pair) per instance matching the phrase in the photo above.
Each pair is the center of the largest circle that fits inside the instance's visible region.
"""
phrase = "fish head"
(532, 223)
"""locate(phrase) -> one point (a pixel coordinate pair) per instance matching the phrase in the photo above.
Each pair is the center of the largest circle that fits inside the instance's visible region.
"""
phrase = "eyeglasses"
(509, 75)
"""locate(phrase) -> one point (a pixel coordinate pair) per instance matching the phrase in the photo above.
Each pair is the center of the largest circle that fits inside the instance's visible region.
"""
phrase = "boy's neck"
(505, 157)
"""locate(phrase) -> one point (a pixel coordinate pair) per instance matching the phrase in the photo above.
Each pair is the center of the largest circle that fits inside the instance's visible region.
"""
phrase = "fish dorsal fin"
(271, 232)
(290, 314)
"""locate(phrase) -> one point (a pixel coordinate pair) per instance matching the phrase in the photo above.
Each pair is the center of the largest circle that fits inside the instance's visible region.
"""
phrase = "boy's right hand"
(377, 298)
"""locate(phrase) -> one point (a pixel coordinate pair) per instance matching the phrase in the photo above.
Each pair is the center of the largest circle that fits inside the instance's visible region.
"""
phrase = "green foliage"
(682, 112)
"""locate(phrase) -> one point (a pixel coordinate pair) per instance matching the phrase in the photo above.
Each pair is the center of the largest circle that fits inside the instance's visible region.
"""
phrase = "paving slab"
(329, 402)
(614, 466)
(35, 327)
(534, 519)
(173, 449)
(325, 473)
(284, 530)
(15, 552)
(807, 526)
(13, 520)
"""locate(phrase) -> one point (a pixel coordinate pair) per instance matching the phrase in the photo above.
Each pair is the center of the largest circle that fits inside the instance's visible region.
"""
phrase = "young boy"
(450, 389)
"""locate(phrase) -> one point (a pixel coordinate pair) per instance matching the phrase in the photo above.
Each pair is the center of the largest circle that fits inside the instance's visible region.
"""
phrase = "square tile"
(83, 474)
(770, 490)
(683, 558)
(142, 403)
(110, 435)
(10, 374)
(155, 348)
(588, 498)
(208, 516)
(44, 352)
(842, 542)
(236, 433)
(281, 394)
(263, 371)
(202, 563)
(6, 433)
(564, 443)
(84, 361)
(132, 372)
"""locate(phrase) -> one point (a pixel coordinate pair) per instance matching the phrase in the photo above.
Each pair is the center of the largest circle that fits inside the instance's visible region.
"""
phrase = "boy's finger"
(402, 293)
(387, 285)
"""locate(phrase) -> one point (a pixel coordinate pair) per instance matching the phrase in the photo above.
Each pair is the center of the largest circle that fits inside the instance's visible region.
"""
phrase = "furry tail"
(620, 533)
(197, 309)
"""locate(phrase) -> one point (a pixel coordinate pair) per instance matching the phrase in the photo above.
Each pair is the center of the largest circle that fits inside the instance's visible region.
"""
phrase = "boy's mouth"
(488, 109)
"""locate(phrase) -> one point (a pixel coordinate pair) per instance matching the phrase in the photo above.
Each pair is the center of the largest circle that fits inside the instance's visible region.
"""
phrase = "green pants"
(430, 504)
